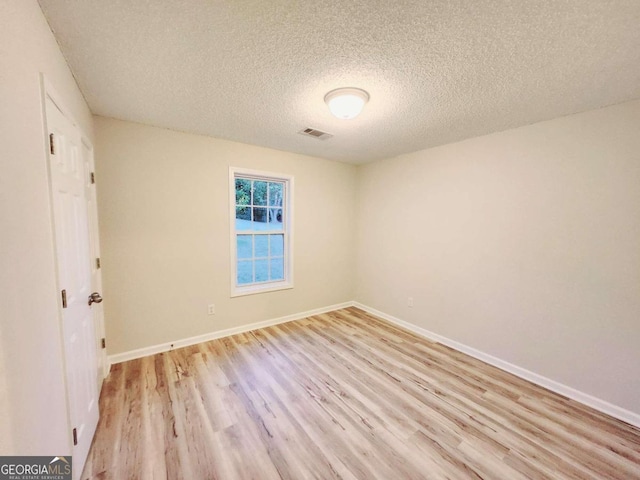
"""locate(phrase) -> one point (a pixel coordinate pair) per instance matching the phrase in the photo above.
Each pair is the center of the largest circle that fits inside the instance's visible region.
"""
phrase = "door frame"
(96, 284)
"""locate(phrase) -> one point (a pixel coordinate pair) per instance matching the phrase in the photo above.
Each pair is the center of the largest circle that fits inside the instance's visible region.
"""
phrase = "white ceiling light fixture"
(346, 103)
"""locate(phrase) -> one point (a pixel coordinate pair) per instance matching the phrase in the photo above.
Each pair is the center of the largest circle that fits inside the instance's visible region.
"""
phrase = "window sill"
(253, 289)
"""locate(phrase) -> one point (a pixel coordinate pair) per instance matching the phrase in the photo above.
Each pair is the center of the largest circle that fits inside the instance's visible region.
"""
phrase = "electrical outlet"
(211, 310)
(410, 302)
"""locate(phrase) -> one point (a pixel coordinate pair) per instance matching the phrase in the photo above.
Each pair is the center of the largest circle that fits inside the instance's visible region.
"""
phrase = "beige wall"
(6, 432)
(523, 244)
(34, 394)
(164, 223)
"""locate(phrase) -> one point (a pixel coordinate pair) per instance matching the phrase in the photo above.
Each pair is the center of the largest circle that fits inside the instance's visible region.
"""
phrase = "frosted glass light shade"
(346, 103)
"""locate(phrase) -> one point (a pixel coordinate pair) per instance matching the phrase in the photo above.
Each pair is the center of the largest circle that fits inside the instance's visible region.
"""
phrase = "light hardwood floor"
(344, 395)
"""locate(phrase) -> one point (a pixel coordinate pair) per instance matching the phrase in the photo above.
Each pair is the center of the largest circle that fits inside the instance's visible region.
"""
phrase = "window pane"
(259, 218)
(277, 269)
(277, 245)
(245, 272)
(243, 191)
(243, 218)
(259, 193)
(275, 218)
(245, 246)
(262, 270)
(262, 245)
(243, 213)
(275, 194)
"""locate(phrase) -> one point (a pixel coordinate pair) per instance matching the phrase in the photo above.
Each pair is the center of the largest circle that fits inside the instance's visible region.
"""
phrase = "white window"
(261, 231)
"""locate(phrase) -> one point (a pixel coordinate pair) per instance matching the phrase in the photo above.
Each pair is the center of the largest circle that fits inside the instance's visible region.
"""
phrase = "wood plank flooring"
(344, 395)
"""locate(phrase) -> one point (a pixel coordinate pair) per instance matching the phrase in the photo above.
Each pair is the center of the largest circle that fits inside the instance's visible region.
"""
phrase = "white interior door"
(70, 182)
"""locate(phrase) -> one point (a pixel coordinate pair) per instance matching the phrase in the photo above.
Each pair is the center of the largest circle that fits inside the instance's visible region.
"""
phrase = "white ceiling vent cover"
(312, 132)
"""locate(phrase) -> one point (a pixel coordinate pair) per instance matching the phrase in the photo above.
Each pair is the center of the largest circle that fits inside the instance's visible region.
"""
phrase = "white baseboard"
(185, 342)
(584, 398)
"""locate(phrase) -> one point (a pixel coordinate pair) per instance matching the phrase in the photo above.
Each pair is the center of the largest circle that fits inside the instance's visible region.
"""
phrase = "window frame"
(287, 227)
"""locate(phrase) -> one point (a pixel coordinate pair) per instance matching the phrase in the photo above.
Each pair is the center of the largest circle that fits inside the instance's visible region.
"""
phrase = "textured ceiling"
(438, 71)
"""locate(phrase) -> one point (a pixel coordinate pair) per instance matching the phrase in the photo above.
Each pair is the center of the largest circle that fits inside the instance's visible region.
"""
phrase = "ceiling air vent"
(312, 132)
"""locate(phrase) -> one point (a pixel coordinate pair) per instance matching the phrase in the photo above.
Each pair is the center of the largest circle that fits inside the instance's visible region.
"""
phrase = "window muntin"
(261, 240)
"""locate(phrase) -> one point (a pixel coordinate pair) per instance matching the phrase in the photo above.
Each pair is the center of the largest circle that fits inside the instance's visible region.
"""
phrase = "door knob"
(94, 298)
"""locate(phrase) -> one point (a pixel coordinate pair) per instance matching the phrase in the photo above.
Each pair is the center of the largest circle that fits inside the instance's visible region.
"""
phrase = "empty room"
(262, 239)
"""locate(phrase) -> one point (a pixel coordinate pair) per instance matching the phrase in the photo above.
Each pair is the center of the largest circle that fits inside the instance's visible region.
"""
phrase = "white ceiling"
(256, 71)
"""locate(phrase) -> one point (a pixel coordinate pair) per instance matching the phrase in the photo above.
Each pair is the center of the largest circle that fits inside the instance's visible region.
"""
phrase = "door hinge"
(64, 299)
(52, 144)
(75, 436)
(98, 262)
(93, 177)
(103, 342)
